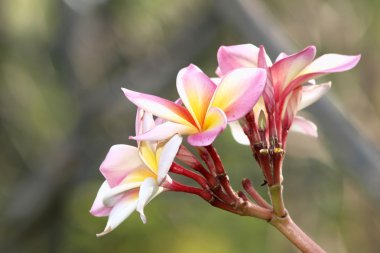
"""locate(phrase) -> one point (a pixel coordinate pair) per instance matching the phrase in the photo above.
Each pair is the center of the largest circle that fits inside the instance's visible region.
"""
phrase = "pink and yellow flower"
(134, 176)
(206, 108)
(285, 93)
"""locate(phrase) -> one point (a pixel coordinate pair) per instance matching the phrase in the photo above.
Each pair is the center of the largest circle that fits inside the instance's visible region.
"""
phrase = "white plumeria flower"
(134, 176)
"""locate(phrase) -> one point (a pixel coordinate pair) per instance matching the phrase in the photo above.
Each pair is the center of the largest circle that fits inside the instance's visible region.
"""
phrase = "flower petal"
(311, 93)
(239, 91)
(160, 107)
(113, 196)
(131, 181)
(263, 60)
(290, 108)
(165, 131)
(304, 126)
(215, 123)
(237, 56)
(98, 208)
(121, 211)
(216, 80)
(167, 156)
(286, 69)
(325, 64)
(195, 90)
(268, 93)
(147, 191)
(139, 175)
(218, 72)
(147, 153)
(144, 121)
(238, 133)
(281, 56)
(120, 160)
(330, 63)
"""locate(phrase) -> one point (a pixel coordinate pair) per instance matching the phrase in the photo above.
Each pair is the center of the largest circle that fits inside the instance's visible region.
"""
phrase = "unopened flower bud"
(262, 120)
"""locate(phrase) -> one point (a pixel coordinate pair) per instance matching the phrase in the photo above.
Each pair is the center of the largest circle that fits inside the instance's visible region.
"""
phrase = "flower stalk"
(178, 169)
(178, 187)
(247, 185)
(275, 193)
(294, 234)
(221, 173)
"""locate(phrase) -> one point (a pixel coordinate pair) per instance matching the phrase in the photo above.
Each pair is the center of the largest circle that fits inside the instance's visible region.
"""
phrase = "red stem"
(263, 138)
(272, 126)
(221, 173)
(243, 196)
(206, 158)
(252, 133)
(188, 158)
(220, 194)
(278, 157)
(214, 181)
(219, 204)
(265, 164)
(247, 185)
(178, 169)
(178, 187)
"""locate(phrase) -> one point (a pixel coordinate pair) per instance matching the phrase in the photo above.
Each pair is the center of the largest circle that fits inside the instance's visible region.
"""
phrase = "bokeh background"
(62, 64)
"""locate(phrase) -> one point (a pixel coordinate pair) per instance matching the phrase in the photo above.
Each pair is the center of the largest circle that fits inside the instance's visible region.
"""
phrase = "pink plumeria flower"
(284, 94)
(207, 107)
(134, 176)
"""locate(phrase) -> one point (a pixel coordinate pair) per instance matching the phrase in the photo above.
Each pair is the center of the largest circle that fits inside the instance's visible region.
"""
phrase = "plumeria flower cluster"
(290, 87)
(257, 98)
(290, 84)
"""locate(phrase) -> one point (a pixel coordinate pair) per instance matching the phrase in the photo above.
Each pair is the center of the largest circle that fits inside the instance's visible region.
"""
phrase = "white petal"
(167, 156)
(281, 56)
(113, 195)
(144, 121)
(304, 126)
(238, 133)
(165, 131)
(330, 63)
(98, 208)
(216, 80)
(120, 212)
(148, 190)
(311, 93)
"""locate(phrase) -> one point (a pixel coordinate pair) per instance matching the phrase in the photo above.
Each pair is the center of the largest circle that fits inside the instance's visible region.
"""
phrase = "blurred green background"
(62, 64)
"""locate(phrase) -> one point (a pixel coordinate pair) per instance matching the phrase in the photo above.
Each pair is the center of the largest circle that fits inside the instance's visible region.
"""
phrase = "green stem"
(282, 221)
(275, 192)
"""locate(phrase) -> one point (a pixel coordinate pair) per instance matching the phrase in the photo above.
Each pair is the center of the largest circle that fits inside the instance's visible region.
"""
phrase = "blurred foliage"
(61, 67)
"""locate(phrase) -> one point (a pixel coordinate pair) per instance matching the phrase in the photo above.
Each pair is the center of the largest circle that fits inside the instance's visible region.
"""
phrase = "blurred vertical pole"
(348, 146)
